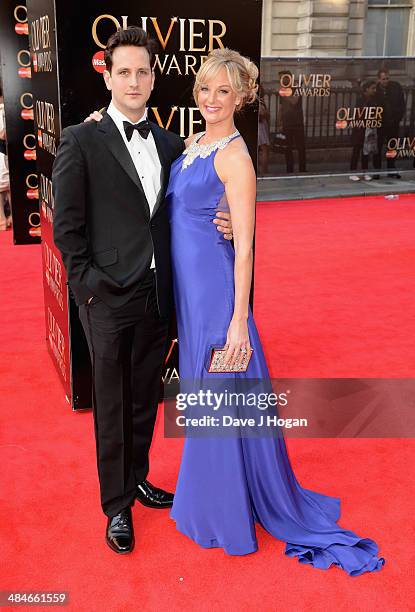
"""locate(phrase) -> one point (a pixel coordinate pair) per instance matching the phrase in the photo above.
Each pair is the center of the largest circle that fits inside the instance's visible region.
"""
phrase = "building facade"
(306, 28)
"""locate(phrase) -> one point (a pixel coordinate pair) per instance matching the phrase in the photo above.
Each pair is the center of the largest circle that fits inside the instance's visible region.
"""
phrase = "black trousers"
(127, 346)
(358, 152)
(295, 140)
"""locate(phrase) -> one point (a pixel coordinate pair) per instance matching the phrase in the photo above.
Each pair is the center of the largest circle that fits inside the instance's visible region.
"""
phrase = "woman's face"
(216, 99)
(370, 91)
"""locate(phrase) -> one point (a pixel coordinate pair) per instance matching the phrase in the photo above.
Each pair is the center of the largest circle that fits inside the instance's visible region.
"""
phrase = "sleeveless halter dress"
(227, 484)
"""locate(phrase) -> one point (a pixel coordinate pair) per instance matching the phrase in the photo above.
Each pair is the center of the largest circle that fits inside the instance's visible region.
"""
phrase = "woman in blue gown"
(227, 484)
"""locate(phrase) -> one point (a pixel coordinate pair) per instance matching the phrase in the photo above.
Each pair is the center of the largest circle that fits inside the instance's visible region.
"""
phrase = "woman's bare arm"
(235, 169)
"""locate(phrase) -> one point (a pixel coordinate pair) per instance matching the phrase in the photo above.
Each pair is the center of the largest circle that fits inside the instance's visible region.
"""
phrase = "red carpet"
(312, 260)
(339, 299)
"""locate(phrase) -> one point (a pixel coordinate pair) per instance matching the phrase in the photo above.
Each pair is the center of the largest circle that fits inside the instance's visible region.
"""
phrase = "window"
(386, 27)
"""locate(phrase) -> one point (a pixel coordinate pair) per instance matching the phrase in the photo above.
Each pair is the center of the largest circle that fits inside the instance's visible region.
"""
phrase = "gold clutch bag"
(217, 361)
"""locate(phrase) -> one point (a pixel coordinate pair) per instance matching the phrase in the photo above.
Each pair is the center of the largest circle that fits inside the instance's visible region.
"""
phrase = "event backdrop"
(47, 124)
(319, 113)
(67, 42)
(18, 104)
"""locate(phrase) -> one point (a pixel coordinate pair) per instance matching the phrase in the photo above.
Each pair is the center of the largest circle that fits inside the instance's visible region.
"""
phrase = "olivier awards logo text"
(315, 85)
(355, 117)
(401, 148)
(185, 45)
(40, 40)
(45, 122)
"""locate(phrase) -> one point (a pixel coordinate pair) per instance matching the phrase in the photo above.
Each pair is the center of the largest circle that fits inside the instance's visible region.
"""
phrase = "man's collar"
(119, 117)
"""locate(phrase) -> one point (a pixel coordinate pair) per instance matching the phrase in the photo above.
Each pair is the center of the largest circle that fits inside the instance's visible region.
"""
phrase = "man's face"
(131, 80)
(384, 79)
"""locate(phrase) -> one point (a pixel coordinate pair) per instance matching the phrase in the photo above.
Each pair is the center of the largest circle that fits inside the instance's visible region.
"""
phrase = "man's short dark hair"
(132, 36)
(383, 70)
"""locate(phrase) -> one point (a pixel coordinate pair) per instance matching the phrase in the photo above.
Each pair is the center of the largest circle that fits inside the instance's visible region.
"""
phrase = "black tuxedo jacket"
(102, 224)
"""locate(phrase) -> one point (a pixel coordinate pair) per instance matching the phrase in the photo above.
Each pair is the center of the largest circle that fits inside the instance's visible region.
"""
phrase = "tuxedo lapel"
(115, 143)
(161, 145)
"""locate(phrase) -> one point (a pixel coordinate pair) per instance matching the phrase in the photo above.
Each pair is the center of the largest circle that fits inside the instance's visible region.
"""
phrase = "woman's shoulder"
(234, 159)
(235, 151)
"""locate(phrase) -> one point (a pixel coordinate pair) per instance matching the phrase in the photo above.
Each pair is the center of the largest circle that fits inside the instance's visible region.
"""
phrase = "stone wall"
(304, 28)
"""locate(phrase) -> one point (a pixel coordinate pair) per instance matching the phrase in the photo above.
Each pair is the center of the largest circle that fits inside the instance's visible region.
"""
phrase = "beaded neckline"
(196, 149)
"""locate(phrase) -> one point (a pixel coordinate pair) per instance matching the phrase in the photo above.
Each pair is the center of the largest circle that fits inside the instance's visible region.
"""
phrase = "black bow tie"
(143, 128)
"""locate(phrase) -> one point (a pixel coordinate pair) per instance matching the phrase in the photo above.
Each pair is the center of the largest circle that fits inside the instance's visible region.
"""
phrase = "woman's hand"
(95, 116)
(237, 342)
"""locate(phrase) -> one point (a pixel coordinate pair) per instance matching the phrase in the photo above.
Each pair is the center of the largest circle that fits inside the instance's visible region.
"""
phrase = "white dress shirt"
(145, 158)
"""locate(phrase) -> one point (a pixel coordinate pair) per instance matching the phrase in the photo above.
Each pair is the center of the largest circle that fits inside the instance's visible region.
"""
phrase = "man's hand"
(223, 224)
(95, 116)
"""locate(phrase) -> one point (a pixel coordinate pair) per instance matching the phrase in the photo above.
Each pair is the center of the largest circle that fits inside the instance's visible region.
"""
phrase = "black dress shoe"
(120, 532)
(153, 497)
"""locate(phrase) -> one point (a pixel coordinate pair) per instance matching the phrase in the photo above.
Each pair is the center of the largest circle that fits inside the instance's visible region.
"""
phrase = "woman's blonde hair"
(242, 74)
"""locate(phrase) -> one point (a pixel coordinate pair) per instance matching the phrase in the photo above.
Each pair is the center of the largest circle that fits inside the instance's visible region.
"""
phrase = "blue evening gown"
(226, 485)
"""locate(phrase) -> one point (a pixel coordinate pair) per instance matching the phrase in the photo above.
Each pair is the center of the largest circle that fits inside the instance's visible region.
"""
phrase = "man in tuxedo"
(112, 228)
